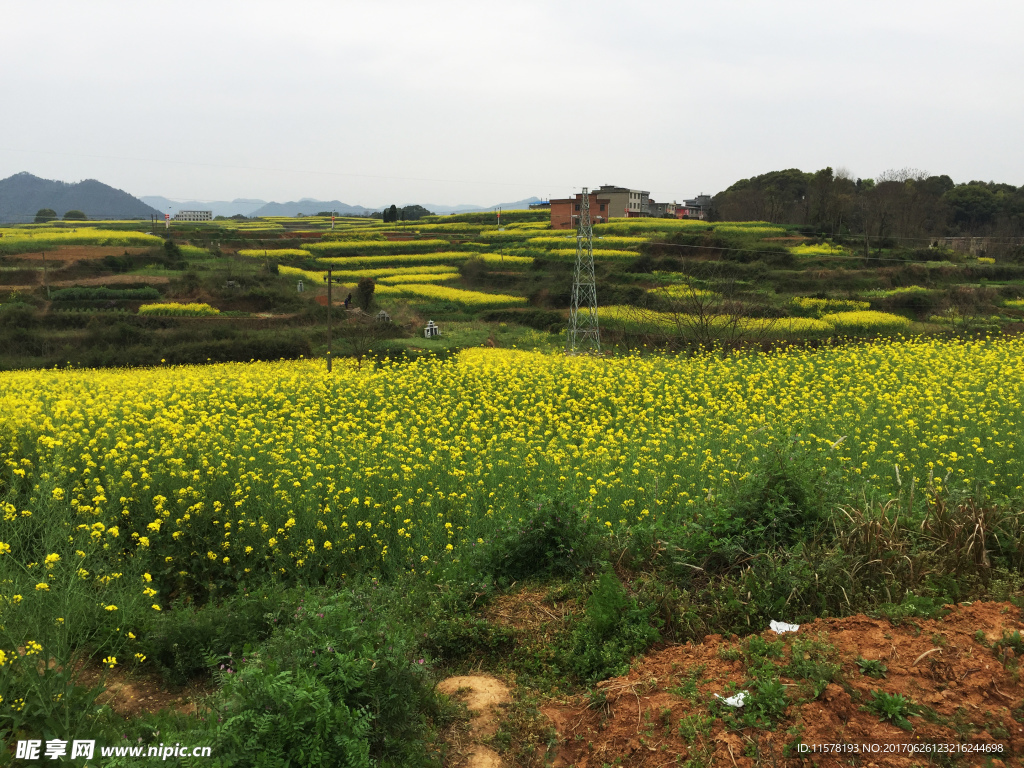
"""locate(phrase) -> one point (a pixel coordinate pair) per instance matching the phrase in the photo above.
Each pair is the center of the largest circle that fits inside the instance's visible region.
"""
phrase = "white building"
(194, 216)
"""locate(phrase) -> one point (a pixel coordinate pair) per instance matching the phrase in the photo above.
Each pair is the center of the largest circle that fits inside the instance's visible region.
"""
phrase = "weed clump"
(553, 539)
(614, 629)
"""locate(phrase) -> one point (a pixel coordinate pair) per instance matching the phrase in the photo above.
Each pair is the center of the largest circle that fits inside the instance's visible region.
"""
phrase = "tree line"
(899, 204)
(44, 215)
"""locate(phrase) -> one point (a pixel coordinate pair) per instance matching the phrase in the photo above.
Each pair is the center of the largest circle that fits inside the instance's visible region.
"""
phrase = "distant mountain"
(309, 206)
(22, 194)
(517, 205)
(241, 205)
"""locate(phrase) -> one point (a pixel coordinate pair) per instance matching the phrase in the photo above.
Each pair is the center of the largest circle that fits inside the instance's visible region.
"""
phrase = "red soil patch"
(973, 697)
(140, 693)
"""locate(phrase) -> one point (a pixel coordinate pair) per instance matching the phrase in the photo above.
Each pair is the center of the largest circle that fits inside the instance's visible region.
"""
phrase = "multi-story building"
(661, 210)
(194, 216)
(565, 213)
(697, 208)
(626, 202)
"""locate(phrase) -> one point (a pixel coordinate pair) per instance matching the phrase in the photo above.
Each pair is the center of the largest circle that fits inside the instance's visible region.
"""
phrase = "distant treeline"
(898, 204)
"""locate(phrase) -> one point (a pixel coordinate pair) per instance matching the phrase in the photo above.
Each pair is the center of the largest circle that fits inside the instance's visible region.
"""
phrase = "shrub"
(553, 538)
(461, 637)
(181, 642)
(783, 503)
(102, 293)
(364, 292)
(541, 319)
(614, 629)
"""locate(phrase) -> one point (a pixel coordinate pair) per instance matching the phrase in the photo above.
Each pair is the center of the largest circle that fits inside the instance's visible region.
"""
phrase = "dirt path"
(483, 696)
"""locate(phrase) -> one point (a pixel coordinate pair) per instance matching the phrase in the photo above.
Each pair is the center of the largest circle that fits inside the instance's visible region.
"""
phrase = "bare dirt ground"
(529, 610)
(965, 686)
(484, 696)
(131, 695)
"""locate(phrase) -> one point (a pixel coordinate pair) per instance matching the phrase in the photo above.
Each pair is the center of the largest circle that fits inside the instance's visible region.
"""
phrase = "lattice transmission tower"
(584, 336)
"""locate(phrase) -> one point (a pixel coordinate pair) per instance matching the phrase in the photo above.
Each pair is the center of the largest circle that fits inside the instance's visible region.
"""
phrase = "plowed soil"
(964, 685)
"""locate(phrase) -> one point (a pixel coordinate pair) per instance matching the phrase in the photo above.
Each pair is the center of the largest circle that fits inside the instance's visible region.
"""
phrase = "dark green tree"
(364, 291)
(45, 214)
(972, 205)
(413, 212)
(74, 216)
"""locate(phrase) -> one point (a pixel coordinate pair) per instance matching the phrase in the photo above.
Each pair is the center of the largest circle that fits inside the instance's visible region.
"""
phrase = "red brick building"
(565, 213)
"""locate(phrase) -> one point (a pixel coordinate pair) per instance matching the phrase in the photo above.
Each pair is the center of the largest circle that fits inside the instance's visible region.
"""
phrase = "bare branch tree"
(684, 316)
(359, 333)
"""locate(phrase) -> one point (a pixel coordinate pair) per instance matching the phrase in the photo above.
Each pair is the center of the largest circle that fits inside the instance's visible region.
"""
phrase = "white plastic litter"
(781, 626)
(737, 700)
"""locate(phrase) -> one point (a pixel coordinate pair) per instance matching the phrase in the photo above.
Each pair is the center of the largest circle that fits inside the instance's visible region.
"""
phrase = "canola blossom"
(435, 277)
(303, 274)
(141, 480)
(173, 309)
(646, 320)
(821, 306)
(275, 253)
(812, 249)
(351, 262)
(651, 226)
(608, 242)
(883, 293)
(365, 247)
(866, 320)
(15, 240)
(505, 260)
(424, 269)
(475, 299)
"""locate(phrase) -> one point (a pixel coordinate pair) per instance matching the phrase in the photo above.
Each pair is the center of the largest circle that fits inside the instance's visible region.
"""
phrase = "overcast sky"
(482, 102)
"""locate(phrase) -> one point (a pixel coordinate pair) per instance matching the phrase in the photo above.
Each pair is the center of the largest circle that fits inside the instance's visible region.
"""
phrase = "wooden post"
(329, 366)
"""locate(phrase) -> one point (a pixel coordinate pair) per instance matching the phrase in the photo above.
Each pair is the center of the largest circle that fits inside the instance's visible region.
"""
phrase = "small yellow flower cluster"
(174, 309)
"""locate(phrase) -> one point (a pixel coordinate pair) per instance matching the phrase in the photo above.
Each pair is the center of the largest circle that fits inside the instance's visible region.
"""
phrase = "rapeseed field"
(232, 471)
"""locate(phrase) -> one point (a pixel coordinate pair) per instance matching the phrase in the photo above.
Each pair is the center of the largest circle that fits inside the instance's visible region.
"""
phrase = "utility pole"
(584, 336)
(329, 360)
